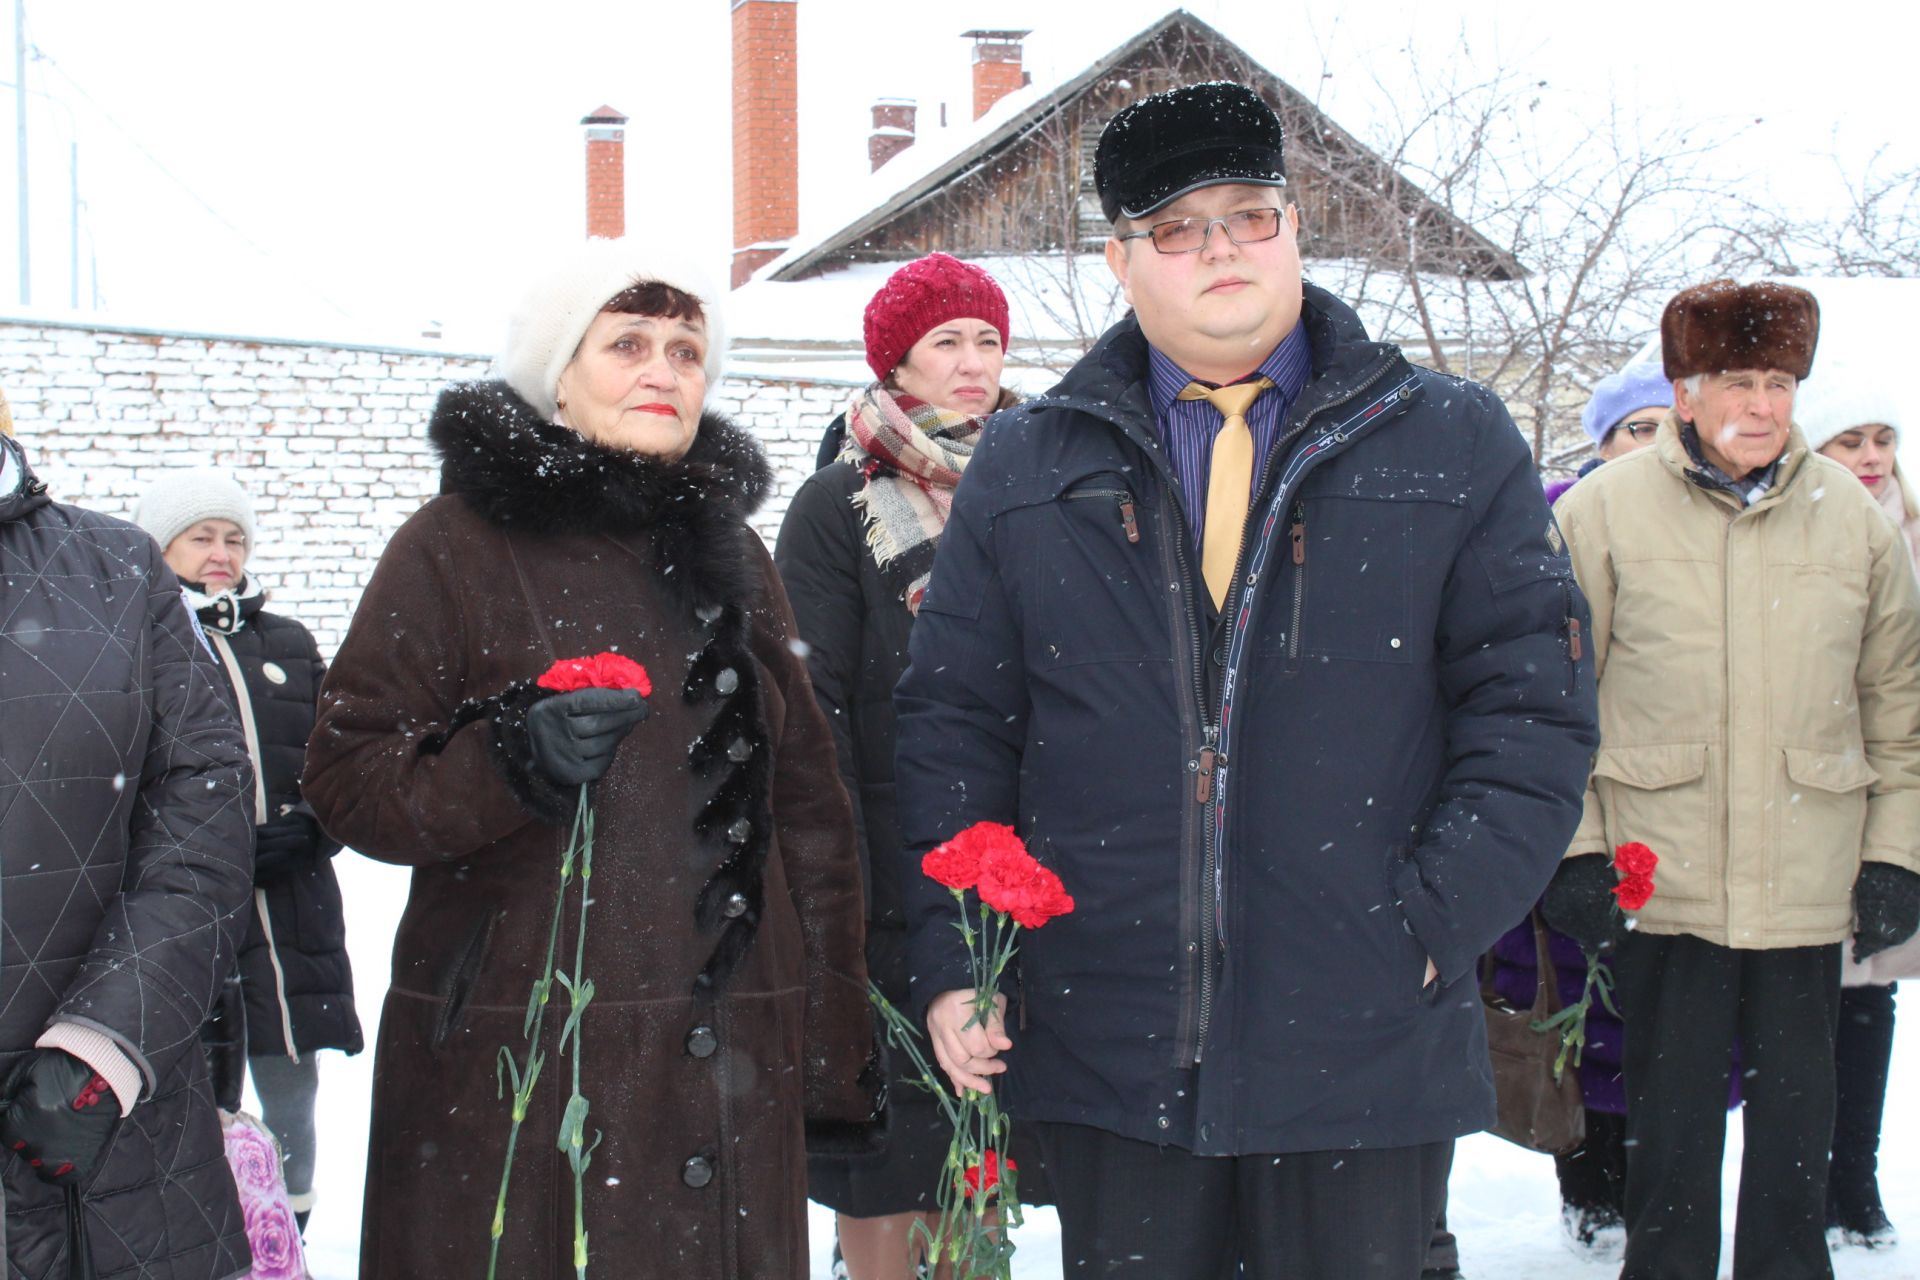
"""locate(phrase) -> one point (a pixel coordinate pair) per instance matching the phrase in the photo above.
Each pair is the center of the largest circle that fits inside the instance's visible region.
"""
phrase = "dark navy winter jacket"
(1267, 826)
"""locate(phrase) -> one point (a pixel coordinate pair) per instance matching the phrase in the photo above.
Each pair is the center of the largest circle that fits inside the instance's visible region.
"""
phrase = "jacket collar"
(1111, 381)
(20, 490)
(228, 611)
(520, 471)
(1667, 442)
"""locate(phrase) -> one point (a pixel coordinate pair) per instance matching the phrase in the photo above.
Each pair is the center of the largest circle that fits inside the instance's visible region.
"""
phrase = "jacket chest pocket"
(1345, 593)
(1093, 573)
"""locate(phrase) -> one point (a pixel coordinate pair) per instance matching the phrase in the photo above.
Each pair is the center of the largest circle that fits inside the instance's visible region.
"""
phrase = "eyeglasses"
(1189, 235)
(1642, 429)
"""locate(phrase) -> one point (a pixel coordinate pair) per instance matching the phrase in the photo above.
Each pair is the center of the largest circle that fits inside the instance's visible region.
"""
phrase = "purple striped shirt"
(1187, 427)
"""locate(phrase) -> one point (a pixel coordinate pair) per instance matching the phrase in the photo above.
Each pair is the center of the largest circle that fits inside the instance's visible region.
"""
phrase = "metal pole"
(20, 119)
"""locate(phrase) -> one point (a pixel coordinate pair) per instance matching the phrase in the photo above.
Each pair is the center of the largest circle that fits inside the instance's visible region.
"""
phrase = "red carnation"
(956, 863)
(1011, 881)
(1633, 892)
(990, 1161)
(1635, 859)
(601, 671)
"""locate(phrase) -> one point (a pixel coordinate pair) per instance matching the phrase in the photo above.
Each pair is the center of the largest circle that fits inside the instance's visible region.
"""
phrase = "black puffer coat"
(1398, 683)
(293, 963)
(125, 864)
(854, 617)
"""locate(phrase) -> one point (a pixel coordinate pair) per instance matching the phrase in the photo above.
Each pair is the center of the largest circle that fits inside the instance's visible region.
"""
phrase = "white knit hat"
(179, 500)
(546, 328)
(1842, 398)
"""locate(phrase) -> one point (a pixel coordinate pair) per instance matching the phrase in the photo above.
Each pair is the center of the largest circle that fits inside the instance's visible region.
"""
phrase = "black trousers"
(1685, 1000)
(1861, 1056)
(1134, 1209)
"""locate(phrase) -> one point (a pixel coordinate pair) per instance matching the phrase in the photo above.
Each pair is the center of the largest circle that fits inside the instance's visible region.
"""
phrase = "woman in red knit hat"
(855, 552)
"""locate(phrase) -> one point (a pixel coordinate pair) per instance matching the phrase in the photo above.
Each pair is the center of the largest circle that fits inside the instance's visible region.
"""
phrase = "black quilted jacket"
(125, 865)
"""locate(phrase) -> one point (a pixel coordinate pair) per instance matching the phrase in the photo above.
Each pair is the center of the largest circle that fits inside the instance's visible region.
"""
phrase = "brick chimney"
(996, 67)
(766, 163)
(606, 174)
(892, 129)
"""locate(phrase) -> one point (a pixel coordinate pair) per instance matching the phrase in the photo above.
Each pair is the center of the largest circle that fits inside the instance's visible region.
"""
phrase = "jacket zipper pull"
(1127, 519)
(1299, 534)
(1573, 639)
(1203, 780)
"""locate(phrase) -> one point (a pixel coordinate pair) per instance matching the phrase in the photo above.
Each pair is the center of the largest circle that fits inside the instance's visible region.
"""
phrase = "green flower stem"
(573, 1123)
(524, 1077)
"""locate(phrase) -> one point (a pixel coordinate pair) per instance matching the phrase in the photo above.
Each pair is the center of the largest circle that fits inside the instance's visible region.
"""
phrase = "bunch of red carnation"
(999, 889)
(991, 860)
(601, 671)
(1635, 863)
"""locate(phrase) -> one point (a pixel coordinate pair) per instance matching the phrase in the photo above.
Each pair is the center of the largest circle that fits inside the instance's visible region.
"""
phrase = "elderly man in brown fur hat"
(1755, 629)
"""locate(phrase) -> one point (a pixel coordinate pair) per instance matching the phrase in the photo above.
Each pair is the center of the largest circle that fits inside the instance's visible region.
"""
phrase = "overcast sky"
(363, 167)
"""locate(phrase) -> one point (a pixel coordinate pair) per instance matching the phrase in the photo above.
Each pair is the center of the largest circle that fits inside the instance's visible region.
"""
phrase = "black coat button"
(739, 749)
(738, 830)
(701, 1042)
(736, 905)
(697, 1172)
(726, 682)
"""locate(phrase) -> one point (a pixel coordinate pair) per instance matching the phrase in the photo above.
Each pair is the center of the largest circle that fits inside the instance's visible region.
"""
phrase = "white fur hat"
(178, 500)
(1841, 398)
(546, 328)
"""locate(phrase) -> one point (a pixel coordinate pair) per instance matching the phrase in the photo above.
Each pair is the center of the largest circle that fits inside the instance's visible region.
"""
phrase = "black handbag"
(1535, 1110)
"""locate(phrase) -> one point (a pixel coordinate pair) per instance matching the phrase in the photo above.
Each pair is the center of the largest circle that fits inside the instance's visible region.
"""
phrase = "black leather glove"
(286, 844)
(60, 1116)
(574, 735)
(1579, 901)
(1886, 908)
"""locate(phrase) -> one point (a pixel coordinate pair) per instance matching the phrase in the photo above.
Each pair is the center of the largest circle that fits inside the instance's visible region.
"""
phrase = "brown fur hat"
(1720, 325)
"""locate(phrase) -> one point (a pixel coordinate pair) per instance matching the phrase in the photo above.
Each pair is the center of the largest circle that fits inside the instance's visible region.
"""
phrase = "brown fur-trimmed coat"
(729, 1028)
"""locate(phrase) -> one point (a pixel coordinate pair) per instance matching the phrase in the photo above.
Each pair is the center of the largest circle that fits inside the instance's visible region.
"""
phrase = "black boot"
(1862, 1049)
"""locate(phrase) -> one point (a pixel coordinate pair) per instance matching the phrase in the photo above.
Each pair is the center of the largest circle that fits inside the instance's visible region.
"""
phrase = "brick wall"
(329, 440)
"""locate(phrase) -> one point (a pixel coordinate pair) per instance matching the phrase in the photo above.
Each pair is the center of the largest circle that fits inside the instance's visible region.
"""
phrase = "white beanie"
(1842, 398)
(546, 328)
(179, 500)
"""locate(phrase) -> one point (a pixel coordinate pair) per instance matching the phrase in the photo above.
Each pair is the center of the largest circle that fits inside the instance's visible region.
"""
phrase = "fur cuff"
(512, 748)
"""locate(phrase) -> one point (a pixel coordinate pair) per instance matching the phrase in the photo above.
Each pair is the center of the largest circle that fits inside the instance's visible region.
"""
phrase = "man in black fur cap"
(1264, 641)
(1755, 632)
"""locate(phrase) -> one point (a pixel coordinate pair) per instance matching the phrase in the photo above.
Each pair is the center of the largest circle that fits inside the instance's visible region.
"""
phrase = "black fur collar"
(519, 471)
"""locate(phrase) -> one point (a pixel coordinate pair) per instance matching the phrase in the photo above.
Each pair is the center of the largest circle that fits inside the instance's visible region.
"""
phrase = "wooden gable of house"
(1028, 187)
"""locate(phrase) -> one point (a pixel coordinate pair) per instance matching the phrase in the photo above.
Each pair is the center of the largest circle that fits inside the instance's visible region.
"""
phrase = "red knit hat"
(921, 296)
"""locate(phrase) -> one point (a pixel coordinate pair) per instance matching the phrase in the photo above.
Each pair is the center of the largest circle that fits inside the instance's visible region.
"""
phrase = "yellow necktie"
(1229, 481)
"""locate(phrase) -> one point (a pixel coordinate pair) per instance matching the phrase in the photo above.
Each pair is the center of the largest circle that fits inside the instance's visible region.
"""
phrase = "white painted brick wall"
(329, 440)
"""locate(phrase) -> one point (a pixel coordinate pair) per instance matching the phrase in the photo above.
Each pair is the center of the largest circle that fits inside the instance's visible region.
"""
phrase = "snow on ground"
(1505, 1208)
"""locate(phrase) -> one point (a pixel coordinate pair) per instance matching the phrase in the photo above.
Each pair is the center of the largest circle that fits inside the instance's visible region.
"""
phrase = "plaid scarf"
(911, 454)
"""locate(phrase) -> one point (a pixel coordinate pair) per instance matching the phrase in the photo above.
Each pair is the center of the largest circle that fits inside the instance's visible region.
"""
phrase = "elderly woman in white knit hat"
(293, 977)
(590, 503)
(1850, 415)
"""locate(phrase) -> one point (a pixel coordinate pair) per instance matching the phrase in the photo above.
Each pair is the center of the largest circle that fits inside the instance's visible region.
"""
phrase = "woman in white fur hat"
(590, 503)
(1847, 415)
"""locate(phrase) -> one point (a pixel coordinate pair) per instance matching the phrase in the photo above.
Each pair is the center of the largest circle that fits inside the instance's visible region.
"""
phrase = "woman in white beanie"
(294, 977)
(589, 503)
(1847, 414)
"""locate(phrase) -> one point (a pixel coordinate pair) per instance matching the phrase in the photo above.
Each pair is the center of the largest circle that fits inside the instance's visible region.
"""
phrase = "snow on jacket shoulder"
(1759, 694)
(1409, 726)
(125, 863)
